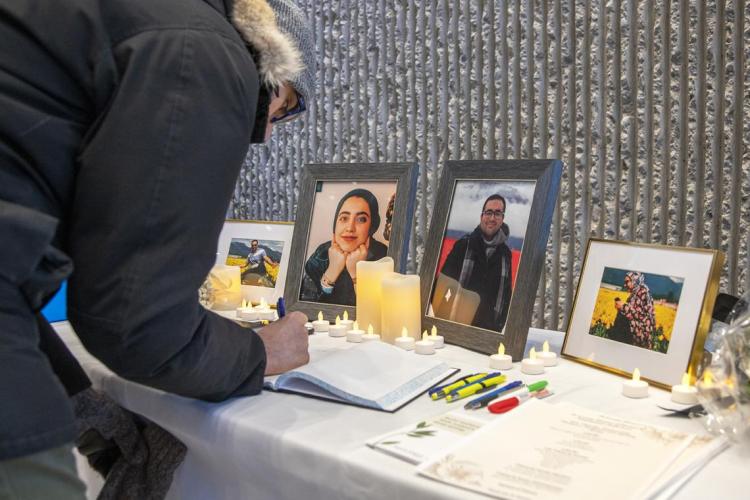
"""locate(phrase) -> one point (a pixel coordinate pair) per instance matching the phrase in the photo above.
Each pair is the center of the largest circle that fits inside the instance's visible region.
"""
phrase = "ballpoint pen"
(444, 390)
(483, 401)
(478, 386)
(508, 404)
(280, 307)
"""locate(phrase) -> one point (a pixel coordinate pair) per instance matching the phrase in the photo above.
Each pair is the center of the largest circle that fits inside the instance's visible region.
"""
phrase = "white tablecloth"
(284, 446)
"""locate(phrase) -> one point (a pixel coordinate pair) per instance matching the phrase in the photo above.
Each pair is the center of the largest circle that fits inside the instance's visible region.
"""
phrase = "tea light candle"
(425, 346)
(348, 324)
(684, 393)
(320, 325)
(370, 335)
(437, 339)
(635, 388)
(404, 341)
(247, 312)
(501, 361)
(547, 357)
(355, 334)
(337, 329)
(532, 365)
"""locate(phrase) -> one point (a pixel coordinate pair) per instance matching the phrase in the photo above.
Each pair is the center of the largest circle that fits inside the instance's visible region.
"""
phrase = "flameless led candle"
(369, 276)
(635, 388)
(400, 305)
(425, 346)
(370, 335)
(264, 311)
(355, 334)
(532, 365)
(501, 361)
(404, 341)
(548, 358)
(225, 281)
(247, 312)
(348, 324)
(321, 325)
(437, 339)
(684, 393)
(337, 329)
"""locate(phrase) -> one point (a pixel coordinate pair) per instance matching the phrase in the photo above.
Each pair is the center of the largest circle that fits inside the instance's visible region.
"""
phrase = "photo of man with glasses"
(474, 285)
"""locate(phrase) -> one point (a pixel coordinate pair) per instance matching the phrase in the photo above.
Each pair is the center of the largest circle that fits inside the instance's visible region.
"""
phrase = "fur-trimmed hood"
(279, 60)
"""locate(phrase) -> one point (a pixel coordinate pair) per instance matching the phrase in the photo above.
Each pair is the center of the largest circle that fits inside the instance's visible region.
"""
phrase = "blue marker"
(280, 308)
(483, 401)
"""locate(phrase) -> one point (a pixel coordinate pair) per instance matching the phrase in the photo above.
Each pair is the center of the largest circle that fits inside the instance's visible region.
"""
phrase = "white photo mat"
(698, 269)
(258, 230)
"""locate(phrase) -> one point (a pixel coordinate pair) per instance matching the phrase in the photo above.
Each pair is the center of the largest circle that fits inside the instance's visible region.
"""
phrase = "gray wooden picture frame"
(546, 174)
(405, 176)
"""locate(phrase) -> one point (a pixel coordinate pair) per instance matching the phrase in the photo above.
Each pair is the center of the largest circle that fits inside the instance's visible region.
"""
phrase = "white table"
(284, 446)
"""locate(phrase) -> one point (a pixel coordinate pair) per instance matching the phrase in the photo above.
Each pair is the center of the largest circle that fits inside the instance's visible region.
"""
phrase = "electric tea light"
(532, 365)
(337, 329)
(355, 334)
(684, 393)
(501, 361)
(437, 339)
(370, 335)
(404, 341)
(548, 358)
(321, 325)
(635, 388)
(425, 346)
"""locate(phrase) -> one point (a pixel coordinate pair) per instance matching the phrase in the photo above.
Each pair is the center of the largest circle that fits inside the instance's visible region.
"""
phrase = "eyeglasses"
(293, 113)
(493, 213)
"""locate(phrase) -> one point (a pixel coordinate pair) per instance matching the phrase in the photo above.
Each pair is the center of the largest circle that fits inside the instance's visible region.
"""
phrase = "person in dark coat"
(331, 271)
(481, 262)
(123, 128)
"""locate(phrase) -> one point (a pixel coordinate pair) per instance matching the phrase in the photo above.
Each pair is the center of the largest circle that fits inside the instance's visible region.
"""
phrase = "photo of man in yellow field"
(636, 308)
(258, 260)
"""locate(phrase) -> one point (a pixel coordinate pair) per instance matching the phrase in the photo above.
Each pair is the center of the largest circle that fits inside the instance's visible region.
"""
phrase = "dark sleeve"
(154, 182)
(454, 262)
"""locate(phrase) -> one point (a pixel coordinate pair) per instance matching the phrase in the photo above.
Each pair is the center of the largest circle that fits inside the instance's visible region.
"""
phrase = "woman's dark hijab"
(372, 202)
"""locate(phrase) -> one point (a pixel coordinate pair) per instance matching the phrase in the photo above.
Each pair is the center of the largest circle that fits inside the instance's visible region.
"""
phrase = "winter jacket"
(123, 126)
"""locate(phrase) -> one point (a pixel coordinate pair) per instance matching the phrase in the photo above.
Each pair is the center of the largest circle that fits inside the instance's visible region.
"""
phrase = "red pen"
(507, 404)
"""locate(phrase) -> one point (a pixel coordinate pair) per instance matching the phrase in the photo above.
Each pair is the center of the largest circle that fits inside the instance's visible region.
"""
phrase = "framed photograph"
(643, 306)
(261, 250)
(485, 251)
(347, 213)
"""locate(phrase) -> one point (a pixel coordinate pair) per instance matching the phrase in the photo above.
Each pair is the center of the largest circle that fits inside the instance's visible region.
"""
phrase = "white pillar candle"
(501, 361)
(548, 358)
(404, 341)
(348, 324)
(400, 305)
(370, 335)
(225, 281)
(337, 329)
(320, 325)
(635, 388)
(424, 346)
(369, 275)
(532, 365)
(355, 334)
(684, 393)
(437, 339)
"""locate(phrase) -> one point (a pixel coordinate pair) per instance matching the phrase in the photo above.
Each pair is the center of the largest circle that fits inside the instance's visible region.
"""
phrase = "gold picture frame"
(664, 339)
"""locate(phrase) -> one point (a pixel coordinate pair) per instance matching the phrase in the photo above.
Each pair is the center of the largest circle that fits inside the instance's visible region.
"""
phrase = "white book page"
(369, 371)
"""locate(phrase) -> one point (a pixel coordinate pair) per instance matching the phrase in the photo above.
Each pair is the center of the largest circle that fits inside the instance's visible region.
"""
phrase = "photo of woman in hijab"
(331, 270)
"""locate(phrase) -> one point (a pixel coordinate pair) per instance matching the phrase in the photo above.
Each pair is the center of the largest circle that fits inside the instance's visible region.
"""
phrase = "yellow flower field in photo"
(605, 311)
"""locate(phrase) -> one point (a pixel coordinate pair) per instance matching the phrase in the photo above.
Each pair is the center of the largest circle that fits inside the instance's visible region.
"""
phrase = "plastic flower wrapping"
(724, 383)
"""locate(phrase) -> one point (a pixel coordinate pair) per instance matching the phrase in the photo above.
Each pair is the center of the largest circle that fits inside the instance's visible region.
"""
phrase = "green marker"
(474, 388)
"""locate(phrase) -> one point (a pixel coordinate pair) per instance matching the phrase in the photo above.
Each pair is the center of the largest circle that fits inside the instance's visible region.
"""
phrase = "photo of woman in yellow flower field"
(636, 308)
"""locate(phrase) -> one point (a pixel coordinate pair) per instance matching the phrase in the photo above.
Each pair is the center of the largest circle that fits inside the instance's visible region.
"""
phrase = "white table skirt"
(284, 446)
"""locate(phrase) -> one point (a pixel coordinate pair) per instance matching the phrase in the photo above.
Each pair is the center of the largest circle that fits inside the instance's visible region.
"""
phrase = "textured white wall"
(647, 102)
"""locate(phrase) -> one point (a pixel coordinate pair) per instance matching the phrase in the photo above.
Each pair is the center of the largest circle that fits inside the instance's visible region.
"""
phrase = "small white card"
(425, 439)
(545, 451)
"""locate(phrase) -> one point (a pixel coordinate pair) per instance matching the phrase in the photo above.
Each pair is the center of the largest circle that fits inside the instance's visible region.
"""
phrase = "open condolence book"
(373, 374)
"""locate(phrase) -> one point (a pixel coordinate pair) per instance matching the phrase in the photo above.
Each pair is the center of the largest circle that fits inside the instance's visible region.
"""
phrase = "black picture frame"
(546, 173)
(405, 177)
